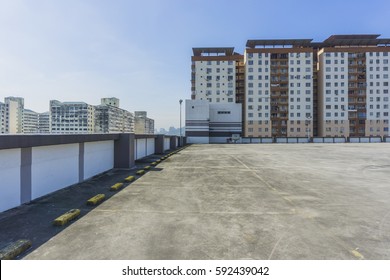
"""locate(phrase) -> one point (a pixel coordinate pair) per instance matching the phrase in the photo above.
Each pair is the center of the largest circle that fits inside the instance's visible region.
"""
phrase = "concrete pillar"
(25, 175)
(124, 151)
(172, 145)
(81, 162)
(159, 144)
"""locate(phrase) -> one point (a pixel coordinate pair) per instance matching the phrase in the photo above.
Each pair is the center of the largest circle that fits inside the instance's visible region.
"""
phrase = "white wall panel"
(9, 178)
(167, 143)
(53, 168)
(98, 157)
(150, 145)
(141, 148)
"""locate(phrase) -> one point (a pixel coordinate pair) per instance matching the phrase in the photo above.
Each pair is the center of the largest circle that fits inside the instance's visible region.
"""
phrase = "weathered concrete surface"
(279, 201)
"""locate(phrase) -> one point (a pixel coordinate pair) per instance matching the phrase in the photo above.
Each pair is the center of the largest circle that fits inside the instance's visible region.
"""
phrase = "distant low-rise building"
(71, 117)
(212, 122)
(143, 124)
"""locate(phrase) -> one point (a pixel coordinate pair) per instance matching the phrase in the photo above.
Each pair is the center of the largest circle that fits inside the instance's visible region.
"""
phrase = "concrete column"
(173, 143)
(25, 175)
(124, 151)
(81, 162)
(159, 144)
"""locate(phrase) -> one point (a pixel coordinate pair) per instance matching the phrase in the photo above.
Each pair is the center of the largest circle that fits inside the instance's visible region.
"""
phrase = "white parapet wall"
(144, 147)
(53, 168)
(9, 178)
(32, 166)
(98, 157)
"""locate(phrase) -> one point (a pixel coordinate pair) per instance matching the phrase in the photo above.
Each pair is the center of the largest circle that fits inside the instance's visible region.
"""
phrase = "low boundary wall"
(268, 140)
(32, 166)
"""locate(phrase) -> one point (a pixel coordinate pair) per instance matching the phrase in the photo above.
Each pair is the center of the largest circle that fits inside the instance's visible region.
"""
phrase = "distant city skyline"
(140, 52)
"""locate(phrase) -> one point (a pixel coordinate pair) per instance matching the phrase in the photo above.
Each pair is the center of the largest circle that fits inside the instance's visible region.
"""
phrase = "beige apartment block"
(298, 88)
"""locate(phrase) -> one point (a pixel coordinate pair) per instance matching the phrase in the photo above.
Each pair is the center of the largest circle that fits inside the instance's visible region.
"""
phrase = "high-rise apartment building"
(2, 118)
(278, 88)
(299, 88)
(44, 123)
(217, 75)
(218, 78)
(354, 86)
(30, 122)
(143, 124)
(13, 115)
(71, 117)
(109, 118)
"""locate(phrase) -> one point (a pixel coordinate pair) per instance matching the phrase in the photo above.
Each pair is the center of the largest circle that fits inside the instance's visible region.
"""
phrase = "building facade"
(109, 118)
(2, 118)
(212, 122)
(279, 88)
(354, 86)
(217, 75)
(44, 123)
(143, 124)
(71, 117)
(13, 115)
(30, 122)
(300, 88)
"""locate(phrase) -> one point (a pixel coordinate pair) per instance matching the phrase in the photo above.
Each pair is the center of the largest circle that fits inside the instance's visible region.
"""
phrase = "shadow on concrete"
(34, 221)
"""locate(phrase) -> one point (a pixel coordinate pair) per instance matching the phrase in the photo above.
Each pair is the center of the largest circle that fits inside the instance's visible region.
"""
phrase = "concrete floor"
(232, 201)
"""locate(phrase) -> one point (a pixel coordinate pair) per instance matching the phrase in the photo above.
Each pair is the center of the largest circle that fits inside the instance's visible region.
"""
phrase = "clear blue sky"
(140, 51)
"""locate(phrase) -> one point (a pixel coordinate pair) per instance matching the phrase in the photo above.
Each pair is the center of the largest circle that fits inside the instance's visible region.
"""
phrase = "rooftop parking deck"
(237, 201)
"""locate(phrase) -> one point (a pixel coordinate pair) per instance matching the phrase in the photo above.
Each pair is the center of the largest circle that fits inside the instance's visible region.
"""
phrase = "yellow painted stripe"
(147, 167)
